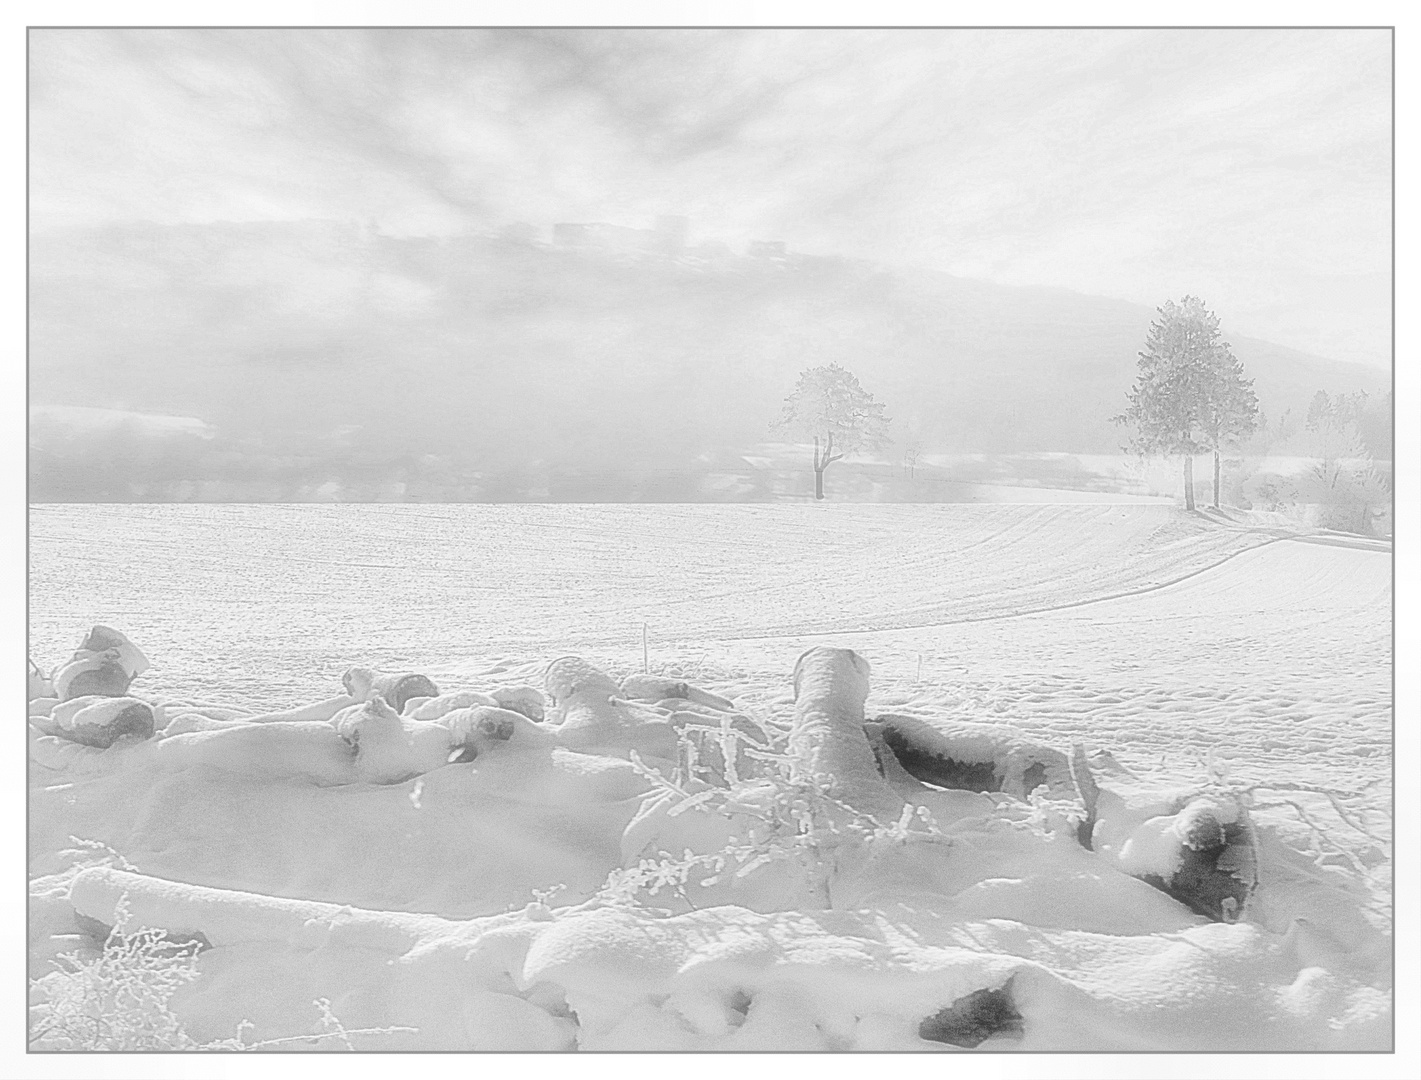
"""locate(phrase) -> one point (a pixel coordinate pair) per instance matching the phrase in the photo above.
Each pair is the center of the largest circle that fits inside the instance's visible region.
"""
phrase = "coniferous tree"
(1229, 413)
(1190, 394)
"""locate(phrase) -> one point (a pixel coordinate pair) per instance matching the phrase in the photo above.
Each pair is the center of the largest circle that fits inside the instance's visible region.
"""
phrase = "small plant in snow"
(118, 1000)
(121, 999)
(787, 820)
(105, 855)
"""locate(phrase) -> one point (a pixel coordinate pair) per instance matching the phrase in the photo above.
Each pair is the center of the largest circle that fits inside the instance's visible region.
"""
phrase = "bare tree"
(830, 407)
(911, 453)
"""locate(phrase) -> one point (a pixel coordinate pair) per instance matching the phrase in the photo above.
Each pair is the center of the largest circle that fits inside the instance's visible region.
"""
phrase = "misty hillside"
(324, 339)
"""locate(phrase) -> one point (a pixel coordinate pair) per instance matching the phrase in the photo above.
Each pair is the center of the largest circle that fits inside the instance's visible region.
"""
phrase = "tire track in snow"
(1125, 594)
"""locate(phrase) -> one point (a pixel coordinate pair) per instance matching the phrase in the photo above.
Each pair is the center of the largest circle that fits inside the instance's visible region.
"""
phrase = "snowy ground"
(1156, 637)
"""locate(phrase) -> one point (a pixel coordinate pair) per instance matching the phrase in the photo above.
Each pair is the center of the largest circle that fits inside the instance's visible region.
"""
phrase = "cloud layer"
(1250, 167)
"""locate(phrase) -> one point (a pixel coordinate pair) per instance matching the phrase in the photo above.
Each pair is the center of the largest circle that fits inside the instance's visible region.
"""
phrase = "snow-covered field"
(1230, 657)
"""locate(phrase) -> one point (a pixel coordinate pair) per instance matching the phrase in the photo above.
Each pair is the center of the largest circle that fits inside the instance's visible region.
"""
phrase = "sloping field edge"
(1330, 540)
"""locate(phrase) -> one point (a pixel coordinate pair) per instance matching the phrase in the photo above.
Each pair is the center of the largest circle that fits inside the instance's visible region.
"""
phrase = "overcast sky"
(1249, 167)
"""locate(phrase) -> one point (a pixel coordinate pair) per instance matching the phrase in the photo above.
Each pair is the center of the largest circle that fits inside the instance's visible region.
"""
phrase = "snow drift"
(644, 865)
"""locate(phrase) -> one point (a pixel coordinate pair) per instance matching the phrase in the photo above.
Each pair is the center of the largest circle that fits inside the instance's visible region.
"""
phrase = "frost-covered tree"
(1190, 394)
(1343, 482)
(1229, 413)
(830, 407)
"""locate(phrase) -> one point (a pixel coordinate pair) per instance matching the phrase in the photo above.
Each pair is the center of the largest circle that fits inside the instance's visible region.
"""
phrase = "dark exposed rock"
(972, 1020)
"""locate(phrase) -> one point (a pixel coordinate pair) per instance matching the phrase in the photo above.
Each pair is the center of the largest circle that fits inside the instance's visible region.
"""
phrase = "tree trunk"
(822, 461)
(1216, 478)
(1188, 480)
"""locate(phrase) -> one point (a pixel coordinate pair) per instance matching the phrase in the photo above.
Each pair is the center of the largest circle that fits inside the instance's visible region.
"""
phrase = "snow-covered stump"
(105, 664)
(390, 748)
(475, 731)
(827, 740)
(92, 675)
(657, 688)
(396, 690)
(99, 721)
(965, 756)
(590, 715)
(1203, 855)
(102, 638)
(224, 917)
(38, 686)
(582, 707)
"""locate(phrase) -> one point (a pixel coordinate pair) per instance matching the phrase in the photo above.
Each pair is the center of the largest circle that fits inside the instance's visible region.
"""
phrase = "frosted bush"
(120, 1000)
(774, 817)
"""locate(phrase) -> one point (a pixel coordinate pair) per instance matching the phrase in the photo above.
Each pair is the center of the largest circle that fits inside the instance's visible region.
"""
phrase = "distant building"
(767, 249)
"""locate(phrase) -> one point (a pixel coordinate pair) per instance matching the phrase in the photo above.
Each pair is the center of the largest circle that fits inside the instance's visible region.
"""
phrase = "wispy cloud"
(1252, 167)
